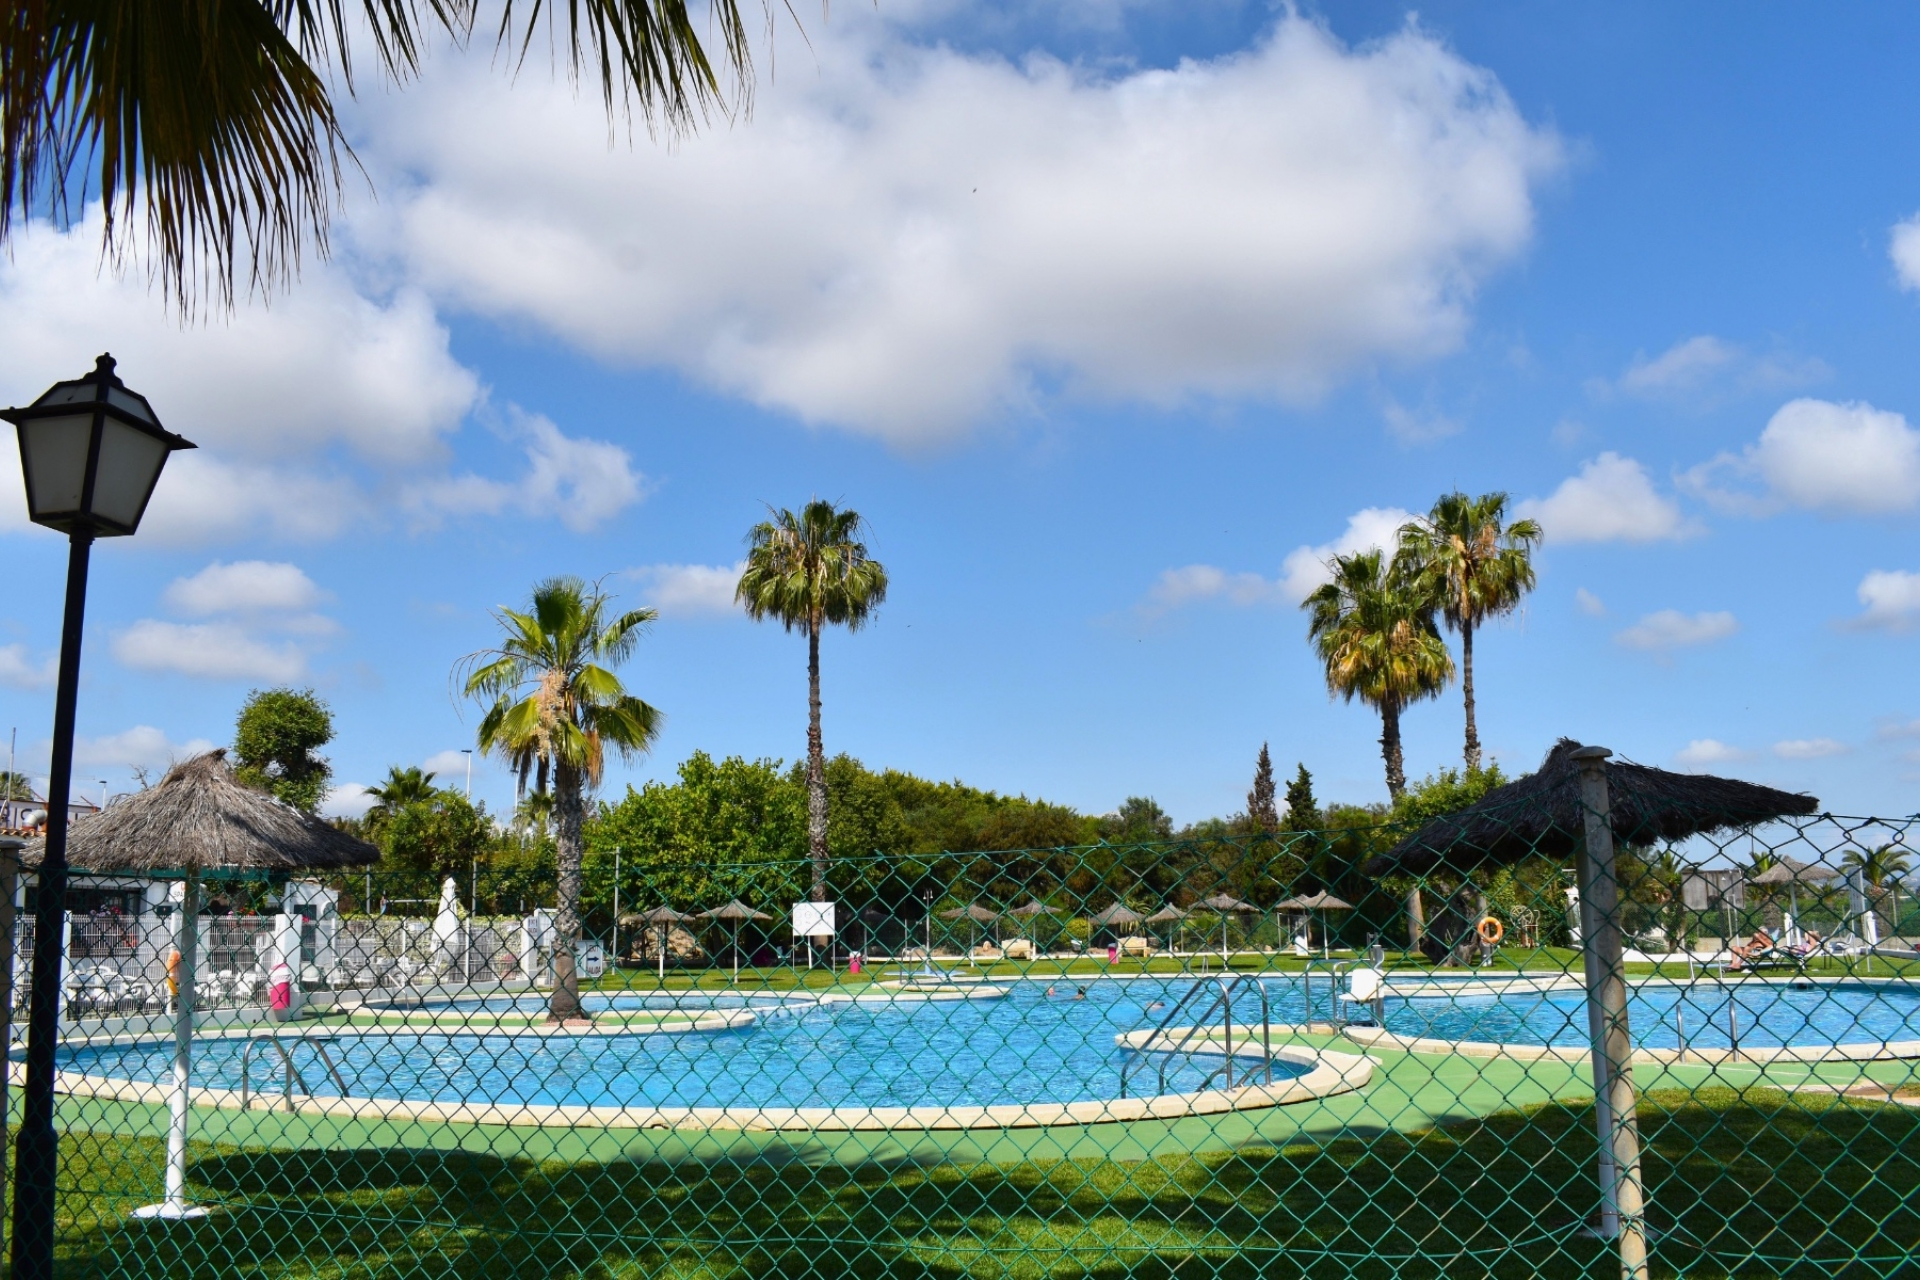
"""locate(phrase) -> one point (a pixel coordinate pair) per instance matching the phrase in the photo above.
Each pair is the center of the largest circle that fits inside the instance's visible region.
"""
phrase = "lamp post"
(91, 452)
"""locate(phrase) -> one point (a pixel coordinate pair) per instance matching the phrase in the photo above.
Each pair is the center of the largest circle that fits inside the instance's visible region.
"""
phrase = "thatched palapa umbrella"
(1580, 805)
(1223, 905)
(735, 911)
(1030, 911)
(1319, 900)
(975, 913)
(1792, 872)
(1168, 914)
(664, 918)
(202, 821)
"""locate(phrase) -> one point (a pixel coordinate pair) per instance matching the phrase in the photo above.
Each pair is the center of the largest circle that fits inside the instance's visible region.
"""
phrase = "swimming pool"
(1028, 1048)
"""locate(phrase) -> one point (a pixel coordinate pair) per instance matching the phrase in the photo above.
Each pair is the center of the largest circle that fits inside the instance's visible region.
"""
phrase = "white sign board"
(812, 919)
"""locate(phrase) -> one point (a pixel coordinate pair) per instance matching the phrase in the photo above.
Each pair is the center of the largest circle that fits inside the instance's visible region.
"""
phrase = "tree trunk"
(569, 815)
(816, 772)
(1466, 687)
(1390, 750)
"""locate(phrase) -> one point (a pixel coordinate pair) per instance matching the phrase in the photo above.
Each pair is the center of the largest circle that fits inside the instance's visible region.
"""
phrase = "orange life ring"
(173, 972)
(1490, 930)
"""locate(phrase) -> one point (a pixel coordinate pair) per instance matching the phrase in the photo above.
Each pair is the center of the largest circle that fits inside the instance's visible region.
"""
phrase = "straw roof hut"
(1793, 871)
(1542, 814)
(1166, 915)
(200, 818)
(1117, 914)
(972, 911)
(659, 915)
(1034, 908)
(735, 910)
(1317, 901)
(1221, 903)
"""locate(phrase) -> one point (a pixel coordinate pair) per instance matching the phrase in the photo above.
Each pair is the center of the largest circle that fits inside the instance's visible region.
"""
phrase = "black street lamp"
(91, 452)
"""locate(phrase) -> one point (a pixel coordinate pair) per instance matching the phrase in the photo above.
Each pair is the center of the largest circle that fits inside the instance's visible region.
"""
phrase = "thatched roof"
(1223, 902)
(1166, 915)
(1791, 870)
(735, 910)
(659, 915)
(1542, 814)
(201, 818)
(972, 911)
(1118, 913)
(1320, 901)
(1033, 909)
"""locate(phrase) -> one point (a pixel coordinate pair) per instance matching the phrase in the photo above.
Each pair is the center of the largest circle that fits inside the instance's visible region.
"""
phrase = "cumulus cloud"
(1303, 572)
(1808, 748)
(1818, 455)
(918, 236)
(1892, 600)
(348, 800)
(1417, 426)
(1705, 368)
(1589, 603)
(1611, 500)
(691, 590)
(18, 670)
(582, 483)
(244, 586)
(1705, 751)
(1671, 629)
(141, 747)
(1194, 583)
(322, 365)
(449, 767)
(1903, 247)
(212, 650)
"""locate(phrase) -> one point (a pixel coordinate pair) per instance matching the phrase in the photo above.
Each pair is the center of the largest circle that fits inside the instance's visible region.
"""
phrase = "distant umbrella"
(972, 911)
(1117, 914)
(1542, 814)
(1167, 915)
(735, 911)
(1032, 909)
(1792, 873)
(663, 918)
(1223, 905)
(1320, 900)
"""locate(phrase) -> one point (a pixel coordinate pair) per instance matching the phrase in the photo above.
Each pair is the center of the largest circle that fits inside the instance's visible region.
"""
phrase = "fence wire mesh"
(1239, 1056)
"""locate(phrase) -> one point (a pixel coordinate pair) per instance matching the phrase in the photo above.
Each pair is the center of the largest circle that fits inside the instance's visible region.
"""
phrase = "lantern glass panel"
(130, 462)
(53, 452)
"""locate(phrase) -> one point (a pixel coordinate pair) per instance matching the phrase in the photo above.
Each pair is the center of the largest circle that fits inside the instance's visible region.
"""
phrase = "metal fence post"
(1607, 998)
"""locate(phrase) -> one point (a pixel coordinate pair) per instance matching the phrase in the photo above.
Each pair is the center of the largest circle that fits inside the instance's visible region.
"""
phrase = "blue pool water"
(1025, 1048)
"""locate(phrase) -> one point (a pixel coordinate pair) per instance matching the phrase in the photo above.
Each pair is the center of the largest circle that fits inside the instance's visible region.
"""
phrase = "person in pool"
(1079, 993)
(1049, 993)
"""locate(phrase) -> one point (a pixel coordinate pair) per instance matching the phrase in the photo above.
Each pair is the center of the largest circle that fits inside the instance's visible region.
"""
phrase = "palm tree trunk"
(1390, 750)
(816, 772)
(1466, 687)
(569, 816)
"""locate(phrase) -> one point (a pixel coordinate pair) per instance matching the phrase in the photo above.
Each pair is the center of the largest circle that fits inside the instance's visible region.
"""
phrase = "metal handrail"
(293, 1076)
(1335, 970)
(1223, 1003)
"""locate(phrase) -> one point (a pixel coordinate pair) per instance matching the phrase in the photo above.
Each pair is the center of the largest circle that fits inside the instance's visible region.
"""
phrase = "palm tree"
(225, 112)
(555, 704)
(1474, 566)
(1375, 633)
(1879, 865)
(808, 571)
(403, 787)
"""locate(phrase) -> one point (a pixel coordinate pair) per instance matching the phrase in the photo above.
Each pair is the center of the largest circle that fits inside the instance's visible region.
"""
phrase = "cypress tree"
(1260, 800)
(1303, 812)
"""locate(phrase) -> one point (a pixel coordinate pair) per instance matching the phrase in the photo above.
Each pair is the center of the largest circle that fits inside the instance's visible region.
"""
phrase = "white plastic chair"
(1364, 988)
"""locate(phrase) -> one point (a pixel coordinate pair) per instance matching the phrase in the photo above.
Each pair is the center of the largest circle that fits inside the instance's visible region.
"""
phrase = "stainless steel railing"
(1226, 989)
(280, 1045)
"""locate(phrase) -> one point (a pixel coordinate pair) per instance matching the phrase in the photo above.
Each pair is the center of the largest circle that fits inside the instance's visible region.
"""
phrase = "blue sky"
(1114, 319)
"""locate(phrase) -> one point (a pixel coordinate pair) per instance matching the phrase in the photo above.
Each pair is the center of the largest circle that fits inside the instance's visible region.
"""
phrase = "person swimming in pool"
(1156, 1006)
(1079, 993)
(1049, 993)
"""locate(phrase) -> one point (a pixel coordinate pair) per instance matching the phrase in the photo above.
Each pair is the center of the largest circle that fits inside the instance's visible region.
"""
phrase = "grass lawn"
(1740, 1183)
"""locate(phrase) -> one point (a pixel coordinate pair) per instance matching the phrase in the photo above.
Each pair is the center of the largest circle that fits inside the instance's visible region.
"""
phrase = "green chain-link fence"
(1271, 1054)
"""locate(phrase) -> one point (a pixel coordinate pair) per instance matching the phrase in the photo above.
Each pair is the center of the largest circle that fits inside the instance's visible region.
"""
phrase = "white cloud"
(913, 237)
(1704, 751)
(1818, 455)
(1589, 603)
(1611, 500)
(212, 650)
(1672, 629)
(322, 365)
(1417, 426)
(1304, 571)
(449, 767)
(348, 800)
(244, 586)
(18, 670)
(1903, 247)
(1808, 748)
(582, 483)
(141, 747)
(1892, 599)
(1707, 368)
(1194, 583)
(691, 590)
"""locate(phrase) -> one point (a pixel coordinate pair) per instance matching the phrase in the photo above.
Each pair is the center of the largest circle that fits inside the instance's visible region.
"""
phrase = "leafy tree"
(227, 112)
(427, 839)
(404, 786)
(1375, 634)
(15, 786)
(808, 571)
(1303, 811)
(274, 742)
(1138, 818)
(556, 704)
(1260, 806)
(1473, 566)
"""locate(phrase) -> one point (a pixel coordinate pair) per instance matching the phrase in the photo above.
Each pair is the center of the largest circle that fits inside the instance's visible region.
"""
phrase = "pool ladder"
(293, 1076)
(1243, 985)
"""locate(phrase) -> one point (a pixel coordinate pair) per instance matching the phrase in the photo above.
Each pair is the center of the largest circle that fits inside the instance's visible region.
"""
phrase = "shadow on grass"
(1754, 1184)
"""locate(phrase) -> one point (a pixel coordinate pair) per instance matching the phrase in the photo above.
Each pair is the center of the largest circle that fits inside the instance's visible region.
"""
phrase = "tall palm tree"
(403, 787)
(555, 704)
(1878, 865)
(1375, 633)
(213, 122)
(1474, 566)
(808, 571)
